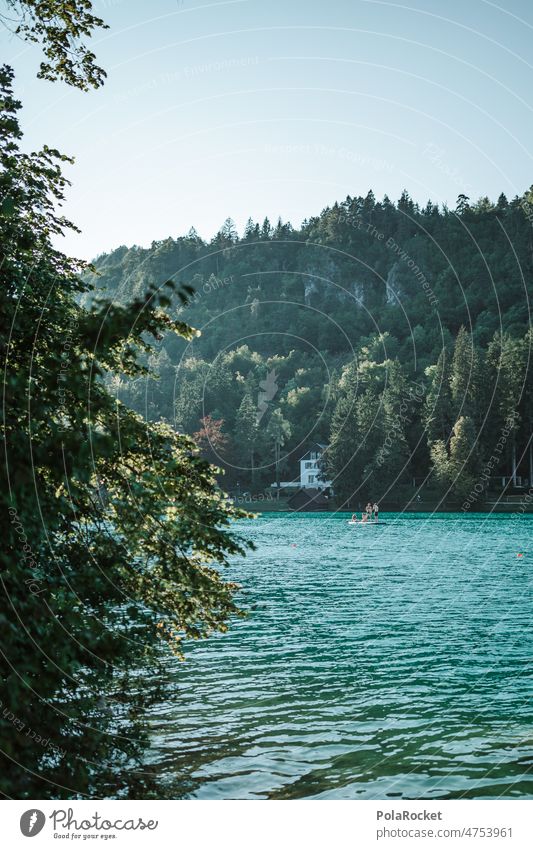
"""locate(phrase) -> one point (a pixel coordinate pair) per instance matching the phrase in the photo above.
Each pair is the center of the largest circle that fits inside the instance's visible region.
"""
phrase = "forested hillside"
(399, 336)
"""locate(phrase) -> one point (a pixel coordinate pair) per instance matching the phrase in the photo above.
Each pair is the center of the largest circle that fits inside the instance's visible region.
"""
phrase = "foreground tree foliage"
(114, 530)
(61, 27)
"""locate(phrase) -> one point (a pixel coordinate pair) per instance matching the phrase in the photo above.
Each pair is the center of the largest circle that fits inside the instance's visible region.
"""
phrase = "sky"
(247, 108)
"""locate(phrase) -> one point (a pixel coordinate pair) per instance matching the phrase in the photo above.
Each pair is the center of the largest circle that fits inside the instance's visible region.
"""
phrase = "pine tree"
(437, 411)
(344, 462)
(246, 429)
(278, 431)
(465, 378)
(507, 359)
(456, 466)
(390, 463)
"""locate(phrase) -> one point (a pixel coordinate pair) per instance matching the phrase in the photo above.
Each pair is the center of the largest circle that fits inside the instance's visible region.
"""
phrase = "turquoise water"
(380, 662)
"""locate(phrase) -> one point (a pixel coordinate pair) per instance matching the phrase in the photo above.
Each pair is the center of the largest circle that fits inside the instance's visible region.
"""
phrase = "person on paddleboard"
(375, 511)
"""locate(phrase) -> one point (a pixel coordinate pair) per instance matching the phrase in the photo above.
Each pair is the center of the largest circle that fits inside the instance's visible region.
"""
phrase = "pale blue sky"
(279, 108)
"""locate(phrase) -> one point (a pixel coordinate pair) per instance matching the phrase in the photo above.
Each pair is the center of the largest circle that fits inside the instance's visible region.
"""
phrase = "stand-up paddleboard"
(370, 522)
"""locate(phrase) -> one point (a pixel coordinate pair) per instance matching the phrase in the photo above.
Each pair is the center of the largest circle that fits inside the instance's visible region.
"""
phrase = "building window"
(309, 465)
(311, 478)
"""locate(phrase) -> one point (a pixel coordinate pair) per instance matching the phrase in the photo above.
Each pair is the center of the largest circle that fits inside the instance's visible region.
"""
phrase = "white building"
(311, 468)
(310, 471)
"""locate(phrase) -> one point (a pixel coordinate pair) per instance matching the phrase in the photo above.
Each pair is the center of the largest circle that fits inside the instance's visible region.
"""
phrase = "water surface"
(380, 662)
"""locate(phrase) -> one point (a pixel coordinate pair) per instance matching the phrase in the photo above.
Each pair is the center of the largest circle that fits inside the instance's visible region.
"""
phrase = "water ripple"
(389, 662)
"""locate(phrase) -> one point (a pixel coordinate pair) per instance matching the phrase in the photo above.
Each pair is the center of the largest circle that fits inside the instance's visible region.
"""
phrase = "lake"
(377, 662)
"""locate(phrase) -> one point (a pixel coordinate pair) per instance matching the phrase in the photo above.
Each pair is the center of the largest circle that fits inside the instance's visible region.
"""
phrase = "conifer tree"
(246, 430)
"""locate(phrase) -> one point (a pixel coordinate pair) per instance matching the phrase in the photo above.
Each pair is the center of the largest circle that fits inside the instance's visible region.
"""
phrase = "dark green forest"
(400, 336)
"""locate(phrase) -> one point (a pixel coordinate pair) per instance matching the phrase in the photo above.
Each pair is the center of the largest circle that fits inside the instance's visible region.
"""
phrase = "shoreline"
(421, 507)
